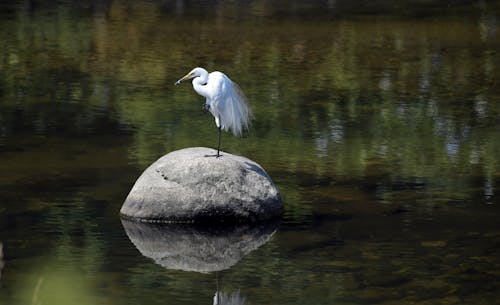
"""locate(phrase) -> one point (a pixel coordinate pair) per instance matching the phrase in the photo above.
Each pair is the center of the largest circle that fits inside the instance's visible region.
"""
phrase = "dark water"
(379, 122)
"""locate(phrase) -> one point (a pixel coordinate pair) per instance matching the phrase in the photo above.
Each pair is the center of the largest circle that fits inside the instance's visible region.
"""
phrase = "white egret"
(224, 99)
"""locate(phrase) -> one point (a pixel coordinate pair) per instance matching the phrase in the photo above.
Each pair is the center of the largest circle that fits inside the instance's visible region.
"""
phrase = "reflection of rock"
(197, 248)
(192, 185)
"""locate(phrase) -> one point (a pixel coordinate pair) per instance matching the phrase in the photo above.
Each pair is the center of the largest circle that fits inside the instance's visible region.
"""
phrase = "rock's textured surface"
(192, 185)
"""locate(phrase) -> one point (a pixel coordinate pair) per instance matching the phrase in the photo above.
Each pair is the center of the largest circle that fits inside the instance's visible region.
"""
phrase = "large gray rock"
(192, 185)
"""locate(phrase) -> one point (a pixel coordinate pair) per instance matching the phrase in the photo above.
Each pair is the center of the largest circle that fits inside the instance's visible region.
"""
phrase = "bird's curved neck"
(200, 85)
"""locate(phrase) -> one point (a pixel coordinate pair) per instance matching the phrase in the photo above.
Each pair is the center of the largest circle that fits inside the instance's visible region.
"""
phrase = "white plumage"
(224, 99)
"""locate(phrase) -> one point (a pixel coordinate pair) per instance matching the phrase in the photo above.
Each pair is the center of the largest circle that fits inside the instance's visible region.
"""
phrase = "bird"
(224, 99)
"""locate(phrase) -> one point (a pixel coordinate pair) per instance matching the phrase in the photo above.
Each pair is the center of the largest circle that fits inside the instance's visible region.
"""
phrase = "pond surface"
(379, 121)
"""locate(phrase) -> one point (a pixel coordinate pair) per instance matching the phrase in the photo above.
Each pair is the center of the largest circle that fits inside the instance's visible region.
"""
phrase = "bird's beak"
(185, 77)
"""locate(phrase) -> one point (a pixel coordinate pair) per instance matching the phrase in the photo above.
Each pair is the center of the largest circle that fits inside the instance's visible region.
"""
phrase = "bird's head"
(196, 72)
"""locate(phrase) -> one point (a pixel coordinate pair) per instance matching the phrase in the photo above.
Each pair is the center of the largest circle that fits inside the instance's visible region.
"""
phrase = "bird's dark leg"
(218, 142)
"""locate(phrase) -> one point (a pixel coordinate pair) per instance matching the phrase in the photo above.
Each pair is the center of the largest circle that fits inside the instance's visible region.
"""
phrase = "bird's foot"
(205, 108)
(212, 156)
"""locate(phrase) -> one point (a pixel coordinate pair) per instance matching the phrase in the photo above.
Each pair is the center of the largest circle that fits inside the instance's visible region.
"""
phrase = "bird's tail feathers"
(238, 114)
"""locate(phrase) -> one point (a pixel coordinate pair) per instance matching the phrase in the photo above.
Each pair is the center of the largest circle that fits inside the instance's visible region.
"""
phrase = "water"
(378, 121)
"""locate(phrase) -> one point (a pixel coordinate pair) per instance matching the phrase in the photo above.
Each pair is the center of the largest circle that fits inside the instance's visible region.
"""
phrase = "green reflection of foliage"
(56, 287)
(330, 97)
(377, 102)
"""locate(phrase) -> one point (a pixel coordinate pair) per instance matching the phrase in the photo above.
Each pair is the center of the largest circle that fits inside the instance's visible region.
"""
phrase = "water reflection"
(378, 113)
(2, 262)
(197, 248)
(200, 248)
(224, 298)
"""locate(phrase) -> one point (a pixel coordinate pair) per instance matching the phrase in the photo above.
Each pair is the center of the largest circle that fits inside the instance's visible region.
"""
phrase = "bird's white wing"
(229, 103)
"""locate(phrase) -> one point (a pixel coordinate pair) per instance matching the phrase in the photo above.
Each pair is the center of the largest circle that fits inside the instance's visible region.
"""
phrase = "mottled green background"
(379, 121)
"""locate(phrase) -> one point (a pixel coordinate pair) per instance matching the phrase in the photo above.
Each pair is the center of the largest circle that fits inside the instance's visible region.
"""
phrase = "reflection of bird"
(221, 298)
(224, 99)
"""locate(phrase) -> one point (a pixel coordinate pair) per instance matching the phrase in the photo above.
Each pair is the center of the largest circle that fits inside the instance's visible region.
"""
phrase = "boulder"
(192, 185)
